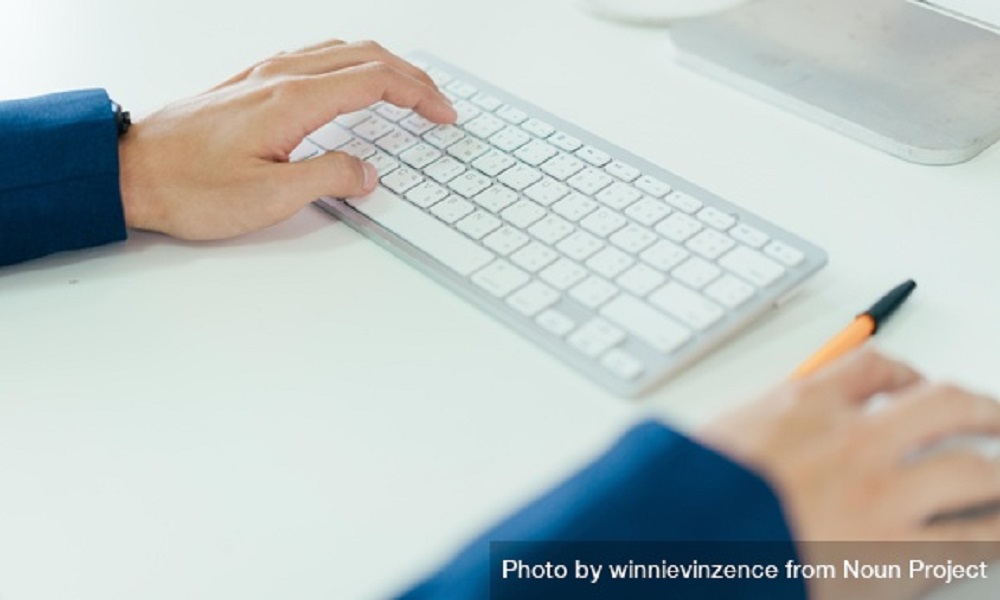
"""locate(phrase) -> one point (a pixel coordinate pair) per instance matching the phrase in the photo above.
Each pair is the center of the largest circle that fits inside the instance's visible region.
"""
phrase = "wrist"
(130, 167)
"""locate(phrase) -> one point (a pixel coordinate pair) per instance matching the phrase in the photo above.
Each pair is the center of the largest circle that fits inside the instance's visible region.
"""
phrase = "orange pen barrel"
(850, 338)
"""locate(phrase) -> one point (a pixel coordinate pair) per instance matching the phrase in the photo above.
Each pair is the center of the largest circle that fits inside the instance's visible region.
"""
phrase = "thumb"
(335, 174)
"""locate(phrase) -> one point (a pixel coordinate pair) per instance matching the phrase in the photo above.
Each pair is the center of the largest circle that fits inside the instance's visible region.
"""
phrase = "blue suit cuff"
(59, 179)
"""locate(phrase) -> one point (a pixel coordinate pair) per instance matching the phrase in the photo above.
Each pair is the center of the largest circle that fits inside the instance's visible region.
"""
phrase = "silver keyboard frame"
(700, 344)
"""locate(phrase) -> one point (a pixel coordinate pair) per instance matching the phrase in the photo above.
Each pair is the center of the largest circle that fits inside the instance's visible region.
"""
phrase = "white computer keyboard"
(620, 268)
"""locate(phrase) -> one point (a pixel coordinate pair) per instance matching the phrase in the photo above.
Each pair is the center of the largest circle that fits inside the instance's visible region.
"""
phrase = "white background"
(299, 414)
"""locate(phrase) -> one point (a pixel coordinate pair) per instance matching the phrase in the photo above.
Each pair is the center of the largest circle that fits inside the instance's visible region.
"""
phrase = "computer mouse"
(655, 12)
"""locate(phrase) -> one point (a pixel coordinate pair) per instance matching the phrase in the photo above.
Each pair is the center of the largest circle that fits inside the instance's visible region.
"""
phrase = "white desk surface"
(297, 413)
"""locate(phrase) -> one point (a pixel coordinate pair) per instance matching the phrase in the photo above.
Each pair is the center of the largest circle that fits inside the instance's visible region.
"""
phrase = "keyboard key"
(468, 149)
(551, 229)
(305, 151)
(609, 262)
(593, 291)
(392, 112)
(496, 198)
(533, 298)
(696, 272)
(439, 76)
(784, 253)
(633, 239)
(594, 156)
(596, 337)
(462, 89)
(641, 280)
(396, 142)
(452, 209)
(716, 218)
(487, 102)
(373, 128)
(748, 235)
(618, 195)
(383, 163)
(500, 278)
(664, 255)
(626, 173)
(563, 166)
(505, 240)
(730, 291)
(590, 180)
(574, 206)
(538, 128)
(555, 322)
(546, 191)
(417, 125)
(426, 194)
(535, 152)
(470, 183)
(710, 243)
(509, 139)
(330, 136)
(564, 141)
(484, 126)
(358, 148)
(652, 186)
(465, 111)
(443, 136)
(494, 162)
(688, 204)
(534, 256)
(349, 120)
(420, 155)
(563, 273)
(579, 245)
(648, 211)
(519, 177)
(688, 306)
(444, 169)
(423, 231)
(679, 227)
(657, 330)
(523, 213)
(512, 115)
(478, 224)
(752, 266)
(622, 364)
(603, 222)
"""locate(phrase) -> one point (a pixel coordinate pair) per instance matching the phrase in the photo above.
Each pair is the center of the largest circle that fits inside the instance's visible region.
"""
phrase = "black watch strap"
(123, 119)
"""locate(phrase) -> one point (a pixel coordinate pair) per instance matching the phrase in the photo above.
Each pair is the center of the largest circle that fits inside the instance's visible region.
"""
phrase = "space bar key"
(423, 231)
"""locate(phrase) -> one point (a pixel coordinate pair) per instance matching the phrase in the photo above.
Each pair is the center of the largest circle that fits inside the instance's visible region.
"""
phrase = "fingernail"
(371, 176)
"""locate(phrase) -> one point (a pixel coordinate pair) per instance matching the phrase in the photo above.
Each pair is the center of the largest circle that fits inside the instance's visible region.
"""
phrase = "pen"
(863, 327)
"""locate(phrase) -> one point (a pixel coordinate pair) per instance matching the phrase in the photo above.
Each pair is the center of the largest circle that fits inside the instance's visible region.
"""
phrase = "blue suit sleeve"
(59, 184)
(653, 486)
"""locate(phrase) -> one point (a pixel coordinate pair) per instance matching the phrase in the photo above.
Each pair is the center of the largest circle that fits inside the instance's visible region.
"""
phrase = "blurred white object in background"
(655, 12)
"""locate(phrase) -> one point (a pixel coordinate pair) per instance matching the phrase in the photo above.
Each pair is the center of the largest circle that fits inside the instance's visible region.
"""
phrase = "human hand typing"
(216, 165)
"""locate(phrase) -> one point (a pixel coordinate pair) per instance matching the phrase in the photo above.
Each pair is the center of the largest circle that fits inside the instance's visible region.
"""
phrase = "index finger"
(926, 414)
(339, 56)
(317, 100)
(334, 57)
(864, 373)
